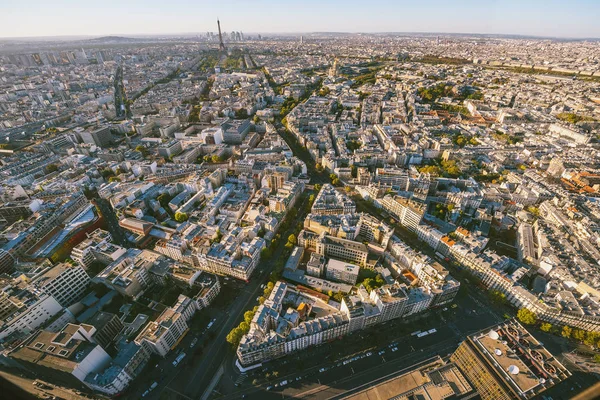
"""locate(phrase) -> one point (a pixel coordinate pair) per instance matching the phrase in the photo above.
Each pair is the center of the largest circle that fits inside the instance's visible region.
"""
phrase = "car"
(298, 378)
(194, 342)
(283, 383)
(153, 386)
(381, 352)
(445, 308)
(269, 387)
(369, 354)
(145, 393)
(323, 369)
(395, 349)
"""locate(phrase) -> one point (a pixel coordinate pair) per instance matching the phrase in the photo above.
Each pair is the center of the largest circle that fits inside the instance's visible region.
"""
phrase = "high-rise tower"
(221, 44)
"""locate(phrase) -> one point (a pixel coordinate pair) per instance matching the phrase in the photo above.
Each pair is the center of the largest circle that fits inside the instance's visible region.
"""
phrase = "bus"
(178, 359)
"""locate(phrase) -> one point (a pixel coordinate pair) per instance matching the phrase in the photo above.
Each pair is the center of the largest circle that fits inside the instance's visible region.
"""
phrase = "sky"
(556, 18)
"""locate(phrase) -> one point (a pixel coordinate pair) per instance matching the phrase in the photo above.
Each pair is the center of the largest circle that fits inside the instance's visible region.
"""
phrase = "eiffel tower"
(221, 44)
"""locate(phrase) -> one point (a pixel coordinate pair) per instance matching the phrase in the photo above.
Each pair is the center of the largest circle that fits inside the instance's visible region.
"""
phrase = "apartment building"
(23, 312)
(506, 362)
(64, 282)
(331, 201)
(163, 334)
(341, 271)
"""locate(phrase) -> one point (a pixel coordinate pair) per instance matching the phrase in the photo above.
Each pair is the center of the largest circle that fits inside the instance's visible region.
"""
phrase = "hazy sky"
(564, 18)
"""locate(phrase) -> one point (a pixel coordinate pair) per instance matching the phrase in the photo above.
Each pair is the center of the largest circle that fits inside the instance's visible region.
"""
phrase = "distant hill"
(112, 39)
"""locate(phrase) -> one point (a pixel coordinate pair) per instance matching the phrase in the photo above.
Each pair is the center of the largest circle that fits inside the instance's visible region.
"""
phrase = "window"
(51, 348)
(63, 353)
(39, 345)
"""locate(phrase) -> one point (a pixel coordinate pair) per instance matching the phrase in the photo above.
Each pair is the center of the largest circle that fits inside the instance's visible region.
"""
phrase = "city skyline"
(574, 20)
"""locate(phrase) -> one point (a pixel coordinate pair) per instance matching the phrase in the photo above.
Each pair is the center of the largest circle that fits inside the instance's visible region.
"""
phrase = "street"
(189, 380)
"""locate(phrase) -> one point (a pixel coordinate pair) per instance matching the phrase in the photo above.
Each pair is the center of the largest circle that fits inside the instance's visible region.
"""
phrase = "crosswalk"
(240, 379)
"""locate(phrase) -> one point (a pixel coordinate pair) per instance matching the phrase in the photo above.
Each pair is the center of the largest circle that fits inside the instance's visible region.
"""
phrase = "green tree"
(546, 327)
(164, 199)
(317, 187)
(234, 336)
(216, 158)
(142, 149)
(566, 332)
(579, 335)
(527, 317)
(591, 338)
(181, 217)
(107, 172)
(248, 315)
(52, 168)
(497, 296)
(244, 326)
(292, 239)
(114, 179)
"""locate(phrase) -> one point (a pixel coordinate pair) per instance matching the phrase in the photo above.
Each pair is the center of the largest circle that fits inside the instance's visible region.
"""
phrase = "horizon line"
(125, 35)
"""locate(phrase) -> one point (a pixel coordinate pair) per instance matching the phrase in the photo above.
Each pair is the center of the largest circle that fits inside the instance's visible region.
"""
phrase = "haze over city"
(574, 19)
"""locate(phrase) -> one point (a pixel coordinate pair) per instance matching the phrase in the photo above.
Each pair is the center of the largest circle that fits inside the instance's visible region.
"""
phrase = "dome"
(493, 335)
(498, 352)
(513, 370)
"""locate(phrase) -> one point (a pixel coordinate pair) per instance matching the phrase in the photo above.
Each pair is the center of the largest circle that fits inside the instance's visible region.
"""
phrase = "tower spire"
(221, 44)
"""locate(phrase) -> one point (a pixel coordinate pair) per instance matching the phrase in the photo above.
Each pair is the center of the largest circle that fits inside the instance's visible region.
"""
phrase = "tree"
(566, 332)
(142, 149)
(216, 158)
(234, 336)
(248, 316)
(578, 334)
(317, 187)
(261, 300)
(292, 239)
(244, 326)
(164, 199)
(546, 327)
(497, 296)
(527, 317)
(266, 253)
(52, 168)
(181, 217)
(114, 179)
(107, 172)
(591, 338)
(275, 374)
